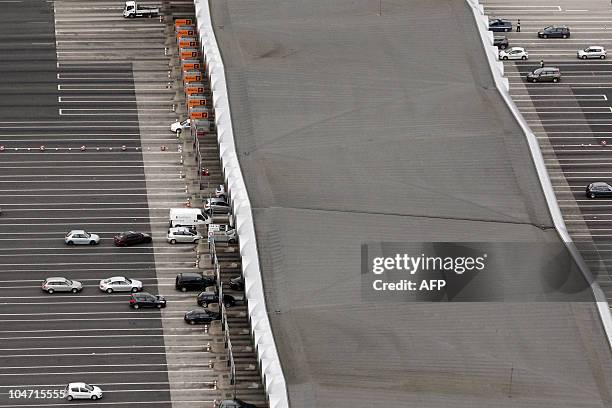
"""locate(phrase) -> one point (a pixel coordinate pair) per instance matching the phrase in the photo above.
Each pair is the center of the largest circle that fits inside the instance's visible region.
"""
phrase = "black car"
(236, 403)
(237, 283)
(131, 238)
(554, 32)
(501, 42)
(500, 25)
(144, 299)
(201, 316)
(207, 298)
(193, 281)
(546, 74)
(598, 189)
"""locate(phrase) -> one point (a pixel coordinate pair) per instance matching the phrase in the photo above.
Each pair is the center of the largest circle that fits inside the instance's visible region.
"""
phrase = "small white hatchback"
(80, 390)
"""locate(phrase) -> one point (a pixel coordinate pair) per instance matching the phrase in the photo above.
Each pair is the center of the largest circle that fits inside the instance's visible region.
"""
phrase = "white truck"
(133, 9)
(187, 217)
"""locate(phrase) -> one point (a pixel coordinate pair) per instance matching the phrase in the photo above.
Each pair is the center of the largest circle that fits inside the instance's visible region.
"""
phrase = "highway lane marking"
(103, 365)
(131, 347)
(107, 302)
(121, 383)
(88, 263)
(186, 329)
(89, 320)
(197, 352)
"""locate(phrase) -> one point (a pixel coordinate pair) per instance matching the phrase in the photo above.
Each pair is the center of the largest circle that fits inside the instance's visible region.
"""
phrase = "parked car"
(598, 189)
(226, 236)
(193, 281)
(120, 284)
(554, 32)
(131, 238)
(217, 206)
(60, 284)
(500, 25)
(546, 74)
(209, 297)
(236, 403)
(594, 51)
(81, 390)
(180, 126)
(80, 237)
(501, 42)
(237, 283)
(201, 316)
(144, 299)
(183, 234)
(514, 53)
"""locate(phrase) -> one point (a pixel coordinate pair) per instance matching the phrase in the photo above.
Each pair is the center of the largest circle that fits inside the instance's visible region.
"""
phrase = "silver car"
(80, 237)
(59, 284)
(225, 236)
(217, 206)
(183, 234)
(120, 284)
(594, 51)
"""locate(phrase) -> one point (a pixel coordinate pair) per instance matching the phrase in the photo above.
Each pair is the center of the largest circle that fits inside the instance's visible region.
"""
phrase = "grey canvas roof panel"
(354, 127)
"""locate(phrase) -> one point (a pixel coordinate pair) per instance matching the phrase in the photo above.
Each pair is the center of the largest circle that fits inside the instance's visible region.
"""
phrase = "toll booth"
(205, 144)
(188, 42)
(190, 53)
(193, 75)
(183, 22)
(197, 100)
(187, 65)
(196, 87)
(200, 112)
(186, 31)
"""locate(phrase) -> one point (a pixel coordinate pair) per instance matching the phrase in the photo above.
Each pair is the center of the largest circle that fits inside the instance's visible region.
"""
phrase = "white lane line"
(197, 352)
(122, 383)
(103, 365)
(108, 372)
(88, 320)
(95, 348)
(123, 329)
(89, 302)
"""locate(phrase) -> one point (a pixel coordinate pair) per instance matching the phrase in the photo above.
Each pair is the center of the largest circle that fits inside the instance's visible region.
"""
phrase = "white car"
(183, 234)
(81, 390)
(514, 53)
(594, 51)
(120, 284)
(180, 126)
(80, 237)
(229, 236)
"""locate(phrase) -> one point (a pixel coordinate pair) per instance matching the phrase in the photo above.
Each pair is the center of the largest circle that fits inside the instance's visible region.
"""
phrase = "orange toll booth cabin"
(188, 42)
(187, 65)
(197, 100)
(186, 31)
(194, 75)
(199, 112)
(196, 88)
(189, 53)
(183, 22)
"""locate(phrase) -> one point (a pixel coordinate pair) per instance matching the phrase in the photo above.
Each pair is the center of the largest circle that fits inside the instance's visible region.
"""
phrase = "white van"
(187, 217)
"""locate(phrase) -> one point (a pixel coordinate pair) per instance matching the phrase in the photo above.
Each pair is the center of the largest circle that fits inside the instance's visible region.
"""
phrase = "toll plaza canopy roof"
(353, 127)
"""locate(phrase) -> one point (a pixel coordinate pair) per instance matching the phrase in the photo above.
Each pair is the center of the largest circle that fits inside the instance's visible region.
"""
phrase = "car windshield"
(88, 387)
(68, 281)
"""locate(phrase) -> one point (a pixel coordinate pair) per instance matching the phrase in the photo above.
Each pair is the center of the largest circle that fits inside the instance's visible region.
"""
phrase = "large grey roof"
(355, 127)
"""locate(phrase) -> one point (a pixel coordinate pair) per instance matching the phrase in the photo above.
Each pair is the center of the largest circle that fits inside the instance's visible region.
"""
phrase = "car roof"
(77, 231)
(190, 274)
(113, 278)
(516, 48)
(57, 278)
(175, 229)
(600, 183)
(77, 384)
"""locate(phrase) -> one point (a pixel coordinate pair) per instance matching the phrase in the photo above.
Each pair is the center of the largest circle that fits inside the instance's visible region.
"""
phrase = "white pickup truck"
(133, 9)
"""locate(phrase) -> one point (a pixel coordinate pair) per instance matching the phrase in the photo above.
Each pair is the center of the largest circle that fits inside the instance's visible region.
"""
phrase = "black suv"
(207, 298)
(499, 24)
(144, 299)
(193, 281)
(501, 42)
(201, 316)
(236, 403)
(554, 32)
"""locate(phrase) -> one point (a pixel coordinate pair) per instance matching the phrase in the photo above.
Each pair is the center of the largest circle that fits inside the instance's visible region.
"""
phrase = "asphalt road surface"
(47, 341)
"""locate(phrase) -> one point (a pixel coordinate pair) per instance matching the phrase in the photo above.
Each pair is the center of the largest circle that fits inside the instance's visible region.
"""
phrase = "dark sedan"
(206, 298)
(500, 25)
(144, 299)
(131, 238)
(598, 189)
(237, 283)
(201, 316)
(501, 42)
